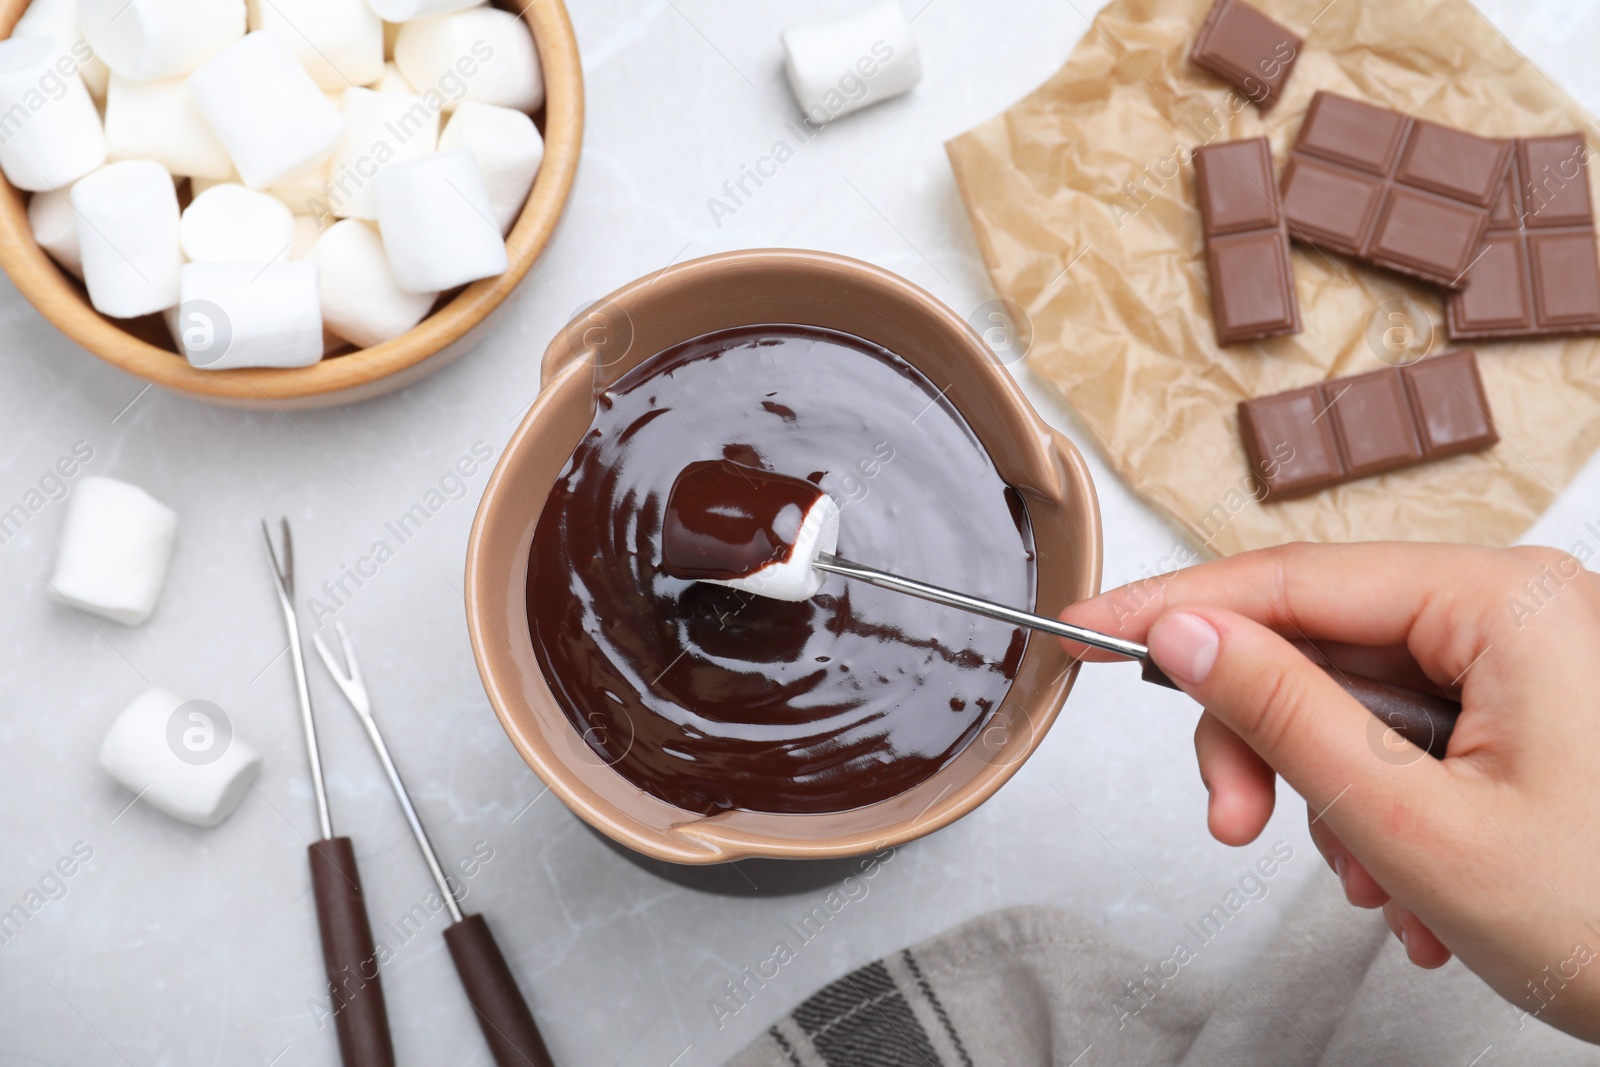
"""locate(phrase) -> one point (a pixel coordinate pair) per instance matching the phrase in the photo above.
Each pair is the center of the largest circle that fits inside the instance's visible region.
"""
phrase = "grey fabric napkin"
(1033, 986)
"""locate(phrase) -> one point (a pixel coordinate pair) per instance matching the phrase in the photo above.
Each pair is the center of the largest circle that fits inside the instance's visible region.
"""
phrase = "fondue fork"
(491, 989)
(1424, 719)
(348, 954)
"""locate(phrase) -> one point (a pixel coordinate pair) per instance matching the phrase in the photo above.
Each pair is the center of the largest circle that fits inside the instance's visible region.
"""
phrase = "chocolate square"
(1247, 246)
(1247, 50)
(1372, 422)
(1320, 435)
(1537, 273)
(1289, 443)
(1448, 402)
(1397, 192)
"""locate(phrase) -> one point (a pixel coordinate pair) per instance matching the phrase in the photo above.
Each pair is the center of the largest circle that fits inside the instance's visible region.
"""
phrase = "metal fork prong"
(282, 570)
(288, 556)
(352, 665)
(350, 685)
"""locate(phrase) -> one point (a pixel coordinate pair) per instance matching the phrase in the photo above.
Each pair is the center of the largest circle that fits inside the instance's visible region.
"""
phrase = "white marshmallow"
(229, 223)
(266, 110)
(488, 50)
(405, 10)
(249, 315)
(381, 129)
(508, 150)
(339, 42)
(202, 785)
(55, 227)
(306, 235)
(838, 67)
(797, 577)
(306, 193)
(128, 233)
(50, 133)
(149, 39)
(115, 544)
(58, 19)
(437, 223)
(393, 81)
(361, 301)
(159, 120)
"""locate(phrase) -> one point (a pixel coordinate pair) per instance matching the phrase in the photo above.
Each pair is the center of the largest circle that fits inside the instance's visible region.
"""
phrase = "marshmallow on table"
(381, 129)
(115, 544)
(361, 301)
(159, 120)
(266, 110)
(249, 315)
(488, 50)
(46, 141)
(149, 39)
(838, 67)
(796, 577)
(437, 223)
(58, 19)
(229, 223)
(181, 756)
(339, 42)
(392, 81)
(55, 228)
(128, 236)
(405, 10)
(508, 150)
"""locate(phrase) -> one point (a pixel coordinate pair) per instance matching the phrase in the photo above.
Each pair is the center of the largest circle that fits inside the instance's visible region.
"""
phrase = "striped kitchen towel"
(1036, 986)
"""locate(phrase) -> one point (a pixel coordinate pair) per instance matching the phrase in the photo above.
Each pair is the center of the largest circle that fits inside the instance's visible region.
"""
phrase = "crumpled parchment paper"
(1082, 199)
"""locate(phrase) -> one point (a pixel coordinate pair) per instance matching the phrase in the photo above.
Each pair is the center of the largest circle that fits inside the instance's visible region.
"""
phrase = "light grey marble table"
(174, 945)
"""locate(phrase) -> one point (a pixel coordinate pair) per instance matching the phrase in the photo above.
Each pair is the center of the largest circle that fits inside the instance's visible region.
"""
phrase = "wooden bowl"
(449, 332)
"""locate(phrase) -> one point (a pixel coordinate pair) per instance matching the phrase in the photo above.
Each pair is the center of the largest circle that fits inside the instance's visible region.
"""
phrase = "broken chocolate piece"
(1247, 245)
(1321, 435)
(1247, 50)
(1537, 274)
(1397, 192)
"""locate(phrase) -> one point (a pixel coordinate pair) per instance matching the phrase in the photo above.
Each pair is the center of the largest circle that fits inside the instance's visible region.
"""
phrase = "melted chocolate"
(711, 698)
(727, 521)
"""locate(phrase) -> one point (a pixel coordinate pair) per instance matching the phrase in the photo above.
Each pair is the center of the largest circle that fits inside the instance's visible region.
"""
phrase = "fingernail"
(1405, 940)
(1341, 867)
(1185, 646)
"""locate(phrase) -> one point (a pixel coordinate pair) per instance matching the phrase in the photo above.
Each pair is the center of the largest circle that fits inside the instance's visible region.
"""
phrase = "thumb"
(1321, 740)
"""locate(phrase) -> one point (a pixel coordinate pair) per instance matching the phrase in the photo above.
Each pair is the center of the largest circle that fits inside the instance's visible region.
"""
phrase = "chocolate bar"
(1537, 274)
(1337, 431)
(1247, 245)
(1397, 192)
(1247, 50)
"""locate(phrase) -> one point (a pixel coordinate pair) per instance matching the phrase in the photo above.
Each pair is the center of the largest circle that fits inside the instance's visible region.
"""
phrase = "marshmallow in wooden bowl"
(231, 223)
(838, 67)
(490, 50)
(181, 756)
(381, 129)
(128, 237)
(55, 227)
(250, 314)
(266, 110)
(53, 135)
(393, 81)
(339, 42)
(437, 223)
(507, 148)
(159, 120)
(58, 20)
(395, 11)
(148, 39)
(361, 301)
(115, 543)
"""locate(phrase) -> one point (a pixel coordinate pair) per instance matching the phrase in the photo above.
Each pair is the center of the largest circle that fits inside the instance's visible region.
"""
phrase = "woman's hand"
(1493, 853)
